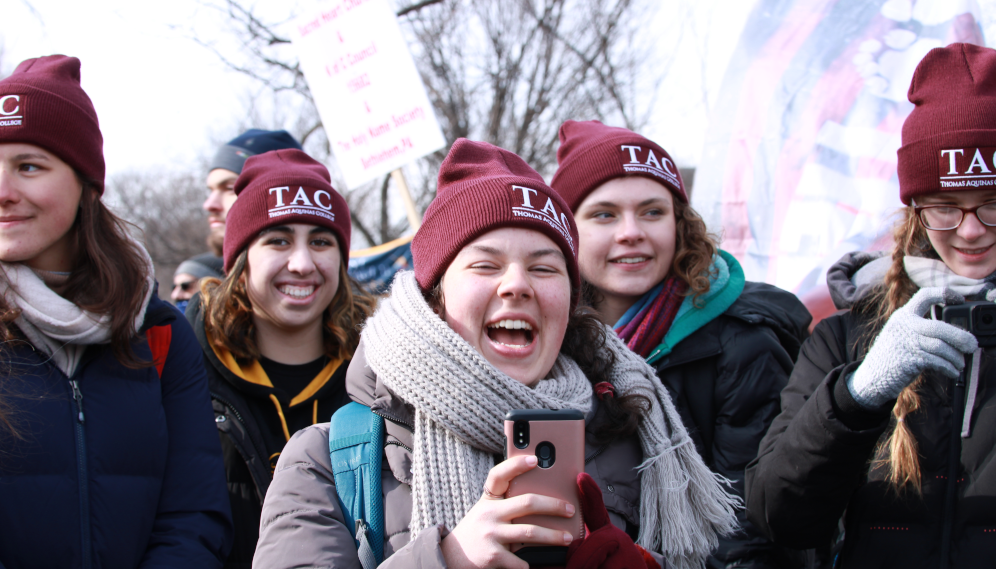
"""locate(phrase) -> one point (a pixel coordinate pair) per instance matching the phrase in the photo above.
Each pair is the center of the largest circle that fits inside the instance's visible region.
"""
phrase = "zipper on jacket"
(595, 454)
(230, 407)
(405, 424)
(400, 444)
(260, 484)
(954, 460)
(81, 473)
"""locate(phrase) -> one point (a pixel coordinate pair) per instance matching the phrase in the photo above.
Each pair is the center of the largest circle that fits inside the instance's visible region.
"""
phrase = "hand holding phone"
(556, 439)
(484, 536)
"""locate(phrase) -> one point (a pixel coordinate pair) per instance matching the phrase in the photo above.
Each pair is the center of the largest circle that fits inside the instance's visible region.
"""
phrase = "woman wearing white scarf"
(884, 448)
(106, 438)
(482, 327)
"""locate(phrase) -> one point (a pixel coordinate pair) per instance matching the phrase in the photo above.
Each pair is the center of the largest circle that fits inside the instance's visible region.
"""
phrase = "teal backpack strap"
(356, 445)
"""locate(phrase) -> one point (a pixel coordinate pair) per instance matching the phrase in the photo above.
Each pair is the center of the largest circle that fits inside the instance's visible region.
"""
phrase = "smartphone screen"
(556, 438)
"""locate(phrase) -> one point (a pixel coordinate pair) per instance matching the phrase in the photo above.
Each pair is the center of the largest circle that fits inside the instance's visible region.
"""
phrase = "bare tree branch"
(502, 71)
(416, 7)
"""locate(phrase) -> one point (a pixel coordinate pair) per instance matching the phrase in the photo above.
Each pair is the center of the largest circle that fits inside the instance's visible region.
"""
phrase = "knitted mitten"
(908, 345)
(605, 546)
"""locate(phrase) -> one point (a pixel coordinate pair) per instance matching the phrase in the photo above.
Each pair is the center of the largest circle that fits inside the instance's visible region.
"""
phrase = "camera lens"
(520, 434)
(546, 454)
(985, 319)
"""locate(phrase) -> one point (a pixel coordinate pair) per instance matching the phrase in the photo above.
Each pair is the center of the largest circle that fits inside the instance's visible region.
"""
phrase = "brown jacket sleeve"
(302, 524)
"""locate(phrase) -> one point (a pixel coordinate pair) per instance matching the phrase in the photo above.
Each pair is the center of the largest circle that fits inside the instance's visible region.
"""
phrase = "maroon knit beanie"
(481, 188)
(591, 154)
(949, 140)
(282, 187)
(42, 103)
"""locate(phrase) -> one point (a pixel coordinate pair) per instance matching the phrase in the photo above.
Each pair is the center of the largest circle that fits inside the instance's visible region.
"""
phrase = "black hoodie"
(255, 419)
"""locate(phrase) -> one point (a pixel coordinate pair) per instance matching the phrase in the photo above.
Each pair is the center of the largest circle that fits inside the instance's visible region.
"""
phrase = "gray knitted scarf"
(460, 402)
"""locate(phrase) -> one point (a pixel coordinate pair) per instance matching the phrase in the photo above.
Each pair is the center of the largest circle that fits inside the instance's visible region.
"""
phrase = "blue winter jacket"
(124, 471)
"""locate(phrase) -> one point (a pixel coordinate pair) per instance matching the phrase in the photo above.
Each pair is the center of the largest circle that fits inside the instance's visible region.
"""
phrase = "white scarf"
(55, 325)
(460, 402)
(926, 272)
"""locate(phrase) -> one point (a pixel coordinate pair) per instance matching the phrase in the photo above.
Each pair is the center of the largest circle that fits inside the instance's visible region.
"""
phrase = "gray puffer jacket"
(303, 526)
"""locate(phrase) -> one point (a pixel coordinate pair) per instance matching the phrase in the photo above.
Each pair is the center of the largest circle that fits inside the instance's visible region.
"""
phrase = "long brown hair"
(898, 453)
(110, 273)
(228, 314)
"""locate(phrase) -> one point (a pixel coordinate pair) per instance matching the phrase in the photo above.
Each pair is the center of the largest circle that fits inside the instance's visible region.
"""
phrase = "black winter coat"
(117, 467)
(252, 437)
(725, 380)
(813, 467)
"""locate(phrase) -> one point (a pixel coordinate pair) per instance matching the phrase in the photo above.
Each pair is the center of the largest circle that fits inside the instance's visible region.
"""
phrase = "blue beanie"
(233, 155)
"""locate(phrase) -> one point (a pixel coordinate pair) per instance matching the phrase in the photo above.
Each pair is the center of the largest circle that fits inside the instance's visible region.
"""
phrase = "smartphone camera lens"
(520, 434)
(546, 454)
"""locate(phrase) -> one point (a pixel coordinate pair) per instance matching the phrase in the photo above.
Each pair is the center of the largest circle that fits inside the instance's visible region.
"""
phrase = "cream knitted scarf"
(54, 325)
(460, 401)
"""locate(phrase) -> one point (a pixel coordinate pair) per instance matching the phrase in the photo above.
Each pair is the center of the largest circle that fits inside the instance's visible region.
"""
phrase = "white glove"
(908, 345)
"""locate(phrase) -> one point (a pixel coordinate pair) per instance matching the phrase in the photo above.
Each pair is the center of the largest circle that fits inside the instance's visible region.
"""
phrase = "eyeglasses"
(948, 217)
(184, 286)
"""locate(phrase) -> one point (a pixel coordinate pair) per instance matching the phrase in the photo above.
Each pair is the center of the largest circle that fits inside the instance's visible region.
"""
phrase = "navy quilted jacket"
(116, 467)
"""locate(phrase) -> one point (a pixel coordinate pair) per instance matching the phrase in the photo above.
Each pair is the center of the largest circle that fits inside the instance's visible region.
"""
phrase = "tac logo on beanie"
(482, 188)
(950, 135)
(305, 201)
(591, 154)
(62, 119)
(526, 203)
(12, 110)
(282, 187)
(968, 167)
(640, 160)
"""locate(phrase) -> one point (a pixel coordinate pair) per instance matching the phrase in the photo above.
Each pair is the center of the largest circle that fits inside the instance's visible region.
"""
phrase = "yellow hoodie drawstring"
(280, 411)
(314, 414)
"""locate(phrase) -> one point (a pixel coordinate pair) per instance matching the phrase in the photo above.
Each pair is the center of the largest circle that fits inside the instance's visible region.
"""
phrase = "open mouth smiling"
(511, 333)
(299, 292)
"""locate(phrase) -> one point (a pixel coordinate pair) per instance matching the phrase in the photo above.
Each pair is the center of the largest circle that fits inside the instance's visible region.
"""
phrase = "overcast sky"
(165, 101)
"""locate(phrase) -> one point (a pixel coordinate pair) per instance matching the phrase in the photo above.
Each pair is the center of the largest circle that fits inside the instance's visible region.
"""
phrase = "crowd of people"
(717, 431)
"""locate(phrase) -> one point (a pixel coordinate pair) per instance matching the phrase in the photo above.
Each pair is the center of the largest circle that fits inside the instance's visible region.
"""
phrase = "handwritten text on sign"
(366, 87)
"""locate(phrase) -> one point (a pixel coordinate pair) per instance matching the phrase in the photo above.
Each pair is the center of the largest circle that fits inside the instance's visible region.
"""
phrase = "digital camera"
(977, 317)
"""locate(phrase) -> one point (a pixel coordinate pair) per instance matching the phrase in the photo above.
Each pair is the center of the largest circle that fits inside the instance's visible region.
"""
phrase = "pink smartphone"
(556, 438)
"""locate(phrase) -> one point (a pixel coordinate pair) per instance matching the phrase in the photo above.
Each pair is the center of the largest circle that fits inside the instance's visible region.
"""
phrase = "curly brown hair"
(228, 314)
(694, 250)
(583, 343)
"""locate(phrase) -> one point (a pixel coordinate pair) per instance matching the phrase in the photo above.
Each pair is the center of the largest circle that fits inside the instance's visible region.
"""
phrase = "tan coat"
(303, 526)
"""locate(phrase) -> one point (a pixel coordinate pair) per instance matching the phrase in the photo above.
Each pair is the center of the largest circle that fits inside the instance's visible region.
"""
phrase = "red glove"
(605, 546)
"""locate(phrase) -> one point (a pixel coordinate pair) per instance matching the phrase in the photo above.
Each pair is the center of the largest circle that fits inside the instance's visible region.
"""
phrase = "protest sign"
(368, 92)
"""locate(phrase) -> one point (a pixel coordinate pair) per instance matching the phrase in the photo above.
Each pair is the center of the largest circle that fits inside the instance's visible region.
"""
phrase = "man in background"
(188, 275)
(225, 169)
